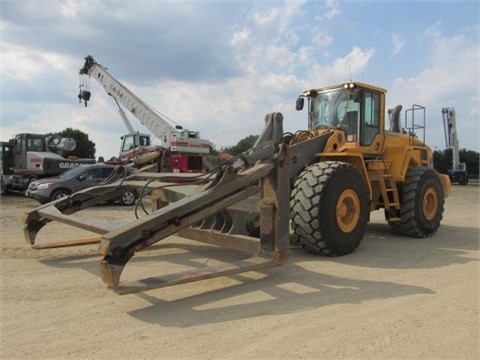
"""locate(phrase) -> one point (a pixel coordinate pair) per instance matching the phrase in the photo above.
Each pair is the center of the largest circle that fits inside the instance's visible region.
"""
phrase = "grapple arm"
(203, 215)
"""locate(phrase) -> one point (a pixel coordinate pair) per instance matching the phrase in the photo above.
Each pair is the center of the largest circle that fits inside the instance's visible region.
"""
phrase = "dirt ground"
(393, 298)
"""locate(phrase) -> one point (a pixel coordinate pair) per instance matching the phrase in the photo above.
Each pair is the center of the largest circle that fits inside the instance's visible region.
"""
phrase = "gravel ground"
(393, 298)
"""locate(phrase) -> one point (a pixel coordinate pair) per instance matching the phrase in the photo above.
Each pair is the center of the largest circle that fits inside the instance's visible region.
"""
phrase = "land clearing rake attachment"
(242, 205)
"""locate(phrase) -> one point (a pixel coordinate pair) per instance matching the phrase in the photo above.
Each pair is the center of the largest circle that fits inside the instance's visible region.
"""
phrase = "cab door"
(370, 126)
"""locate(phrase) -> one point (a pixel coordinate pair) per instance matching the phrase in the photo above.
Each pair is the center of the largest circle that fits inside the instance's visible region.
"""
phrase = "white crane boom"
(451, 137)
(458, 171)
(127, 123)
(177, 140)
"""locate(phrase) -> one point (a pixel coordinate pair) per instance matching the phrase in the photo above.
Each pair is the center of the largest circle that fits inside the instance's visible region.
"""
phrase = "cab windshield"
(331, 108)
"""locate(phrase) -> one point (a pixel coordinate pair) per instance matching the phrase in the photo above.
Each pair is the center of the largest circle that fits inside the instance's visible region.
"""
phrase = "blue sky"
(219, 66)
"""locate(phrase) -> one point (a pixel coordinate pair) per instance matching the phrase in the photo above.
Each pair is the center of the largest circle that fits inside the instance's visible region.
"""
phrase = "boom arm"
(159, 126)
(451, 139)
(129, 126)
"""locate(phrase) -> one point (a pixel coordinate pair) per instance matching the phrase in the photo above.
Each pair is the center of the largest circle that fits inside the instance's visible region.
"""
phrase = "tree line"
(85, 147)
(442, 160)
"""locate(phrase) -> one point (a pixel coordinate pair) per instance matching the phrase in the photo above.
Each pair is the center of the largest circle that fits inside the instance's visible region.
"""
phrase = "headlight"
(44, 186)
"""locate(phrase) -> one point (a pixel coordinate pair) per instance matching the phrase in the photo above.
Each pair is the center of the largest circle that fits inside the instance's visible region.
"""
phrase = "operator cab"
(132, 141)
(6, 158)
(352, 107)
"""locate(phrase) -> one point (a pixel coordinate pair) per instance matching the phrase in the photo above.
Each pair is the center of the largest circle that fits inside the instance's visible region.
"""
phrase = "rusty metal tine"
(118, 252)
(159, 224)
(250, 264)
(59, 244)
(52, 213)
(235, 242)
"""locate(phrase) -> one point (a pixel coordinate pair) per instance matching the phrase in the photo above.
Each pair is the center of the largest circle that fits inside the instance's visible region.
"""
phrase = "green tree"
(471, 159)
(442, 160)
(242, 146)
(85, 148)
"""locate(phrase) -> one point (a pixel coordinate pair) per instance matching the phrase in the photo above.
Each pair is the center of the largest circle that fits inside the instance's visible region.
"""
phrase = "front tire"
(60, 194)
(422, 204)
(329, 208)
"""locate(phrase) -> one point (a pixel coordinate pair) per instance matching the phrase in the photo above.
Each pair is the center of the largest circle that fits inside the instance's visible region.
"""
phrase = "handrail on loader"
(208, 215)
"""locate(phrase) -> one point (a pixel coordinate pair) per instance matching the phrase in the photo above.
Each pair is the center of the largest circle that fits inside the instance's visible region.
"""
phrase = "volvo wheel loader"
(314, 187)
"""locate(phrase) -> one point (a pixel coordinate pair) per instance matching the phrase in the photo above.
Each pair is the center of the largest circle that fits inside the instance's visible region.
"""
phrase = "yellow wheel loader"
(315, 187)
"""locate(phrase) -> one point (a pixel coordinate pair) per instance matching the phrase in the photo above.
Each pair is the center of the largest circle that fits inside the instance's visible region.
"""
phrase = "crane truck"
(27, 157)
(181, 151)
(315, 187)
(458, 171)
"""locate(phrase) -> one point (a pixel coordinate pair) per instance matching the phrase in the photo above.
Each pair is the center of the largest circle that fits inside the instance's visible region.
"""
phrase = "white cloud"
(240, 36)
(321, 39)
(266, 16)
(212, 68)
(333, 9)
(450, 80)
(19, 62)
(354, 62)
(342, 69)
(69, 9)
(398, 44)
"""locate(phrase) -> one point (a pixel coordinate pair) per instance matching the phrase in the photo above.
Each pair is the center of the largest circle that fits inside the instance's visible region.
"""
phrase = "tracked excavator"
(315, 187)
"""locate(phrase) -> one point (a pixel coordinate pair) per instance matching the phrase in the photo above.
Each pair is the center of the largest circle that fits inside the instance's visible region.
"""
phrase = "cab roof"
(350, 84)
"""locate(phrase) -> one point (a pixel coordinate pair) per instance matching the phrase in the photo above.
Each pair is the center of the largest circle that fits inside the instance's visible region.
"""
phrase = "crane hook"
(84, 95)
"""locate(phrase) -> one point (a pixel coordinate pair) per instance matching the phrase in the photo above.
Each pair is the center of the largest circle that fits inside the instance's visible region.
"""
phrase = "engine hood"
(35, 183)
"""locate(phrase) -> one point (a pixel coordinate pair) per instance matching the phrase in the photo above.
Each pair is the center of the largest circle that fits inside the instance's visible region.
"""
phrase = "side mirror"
(82, 177)
(299, 104)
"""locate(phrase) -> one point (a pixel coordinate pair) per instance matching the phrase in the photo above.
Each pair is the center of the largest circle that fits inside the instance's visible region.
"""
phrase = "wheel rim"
(60, 196)
(430, 203)
(348, 210)
(128, 198)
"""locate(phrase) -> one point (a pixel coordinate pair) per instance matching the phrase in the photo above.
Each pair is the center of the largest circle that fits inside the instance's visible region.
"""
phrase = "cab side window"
(34, 144)
(371, 117)
(128, 143)
(144, 141)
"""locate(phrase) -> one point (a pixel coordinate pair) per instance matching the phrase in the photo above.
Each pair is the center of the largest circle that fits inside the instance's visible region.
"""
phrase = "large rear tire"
(329, 208)
(422, 204)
